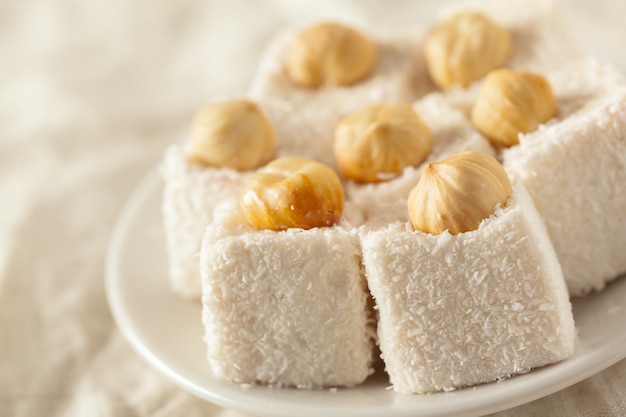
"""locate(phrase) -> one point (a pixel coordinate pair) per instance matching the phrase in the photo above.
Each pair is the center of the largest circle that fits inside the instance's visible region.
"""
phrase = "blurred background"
(91, 93)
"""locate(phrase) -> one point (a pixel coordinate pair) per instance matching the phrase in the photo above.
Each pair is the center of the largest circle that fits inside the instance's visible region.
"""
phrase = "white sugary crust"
(286, 308)
(460, 310)
(190, 194)
(575, 169)
(306, 117)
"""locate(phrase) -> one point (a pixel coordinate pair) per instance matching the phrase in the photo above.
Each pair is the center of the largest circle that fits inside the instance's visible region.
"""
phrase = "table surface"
(91, 93)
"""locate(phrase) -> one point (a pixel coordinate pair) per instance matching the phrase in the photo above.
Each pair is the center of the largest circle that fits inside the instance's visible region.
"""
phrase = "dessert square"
(308, 116)
(541, 40)
(285, 308)
(459, 310)
(574, 169)
(191, 192)
(540, 36)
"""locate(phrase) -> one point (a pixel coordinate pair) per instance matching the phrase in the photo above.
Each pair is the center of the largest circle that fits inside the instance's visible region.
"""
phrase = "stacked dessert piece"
(574, 169)
(407, 192)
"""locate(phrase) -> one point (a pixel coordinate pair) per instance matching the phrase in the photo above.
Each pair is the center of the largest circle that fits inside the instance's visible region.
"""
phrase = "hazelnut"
(457, 193)
(329, 53)
(378, 142)
(234, 134)
(512, 102)
(464, 49)
(293, 192)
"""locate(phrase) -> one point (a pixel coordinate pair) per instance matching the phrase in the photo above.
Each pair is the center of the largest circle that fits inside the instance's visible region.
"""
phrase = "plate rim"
(568, 373)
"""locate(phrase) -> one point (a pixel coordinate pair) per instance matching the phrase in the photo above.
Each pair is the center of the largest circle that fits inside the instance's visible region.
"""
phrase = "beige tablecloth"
(91, 92)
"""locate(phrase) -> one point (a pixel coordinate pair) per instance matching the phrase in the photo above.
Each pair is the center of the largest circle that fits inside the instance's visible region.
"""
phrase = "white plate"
(167, 332)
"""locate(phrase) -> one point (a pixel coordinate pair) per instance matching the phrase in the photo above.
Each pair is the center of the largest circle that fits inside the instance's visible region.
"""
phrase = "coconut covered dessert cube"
(474, 37)
(287, 308)
(305, 93)
(540, 36)
(450, 132)
(574, 169)
(567, 123)
(206, 170)
(460, 307)
(191, 193)
(284, 299)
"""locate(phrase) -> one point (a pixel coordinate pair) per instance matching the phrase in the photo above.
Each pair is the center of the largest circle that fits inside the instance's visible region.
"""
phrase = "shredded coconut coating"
(286, 308)
(582, 85)
(307, 117)
(575, 170)
(460, 310)
(191, 193)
